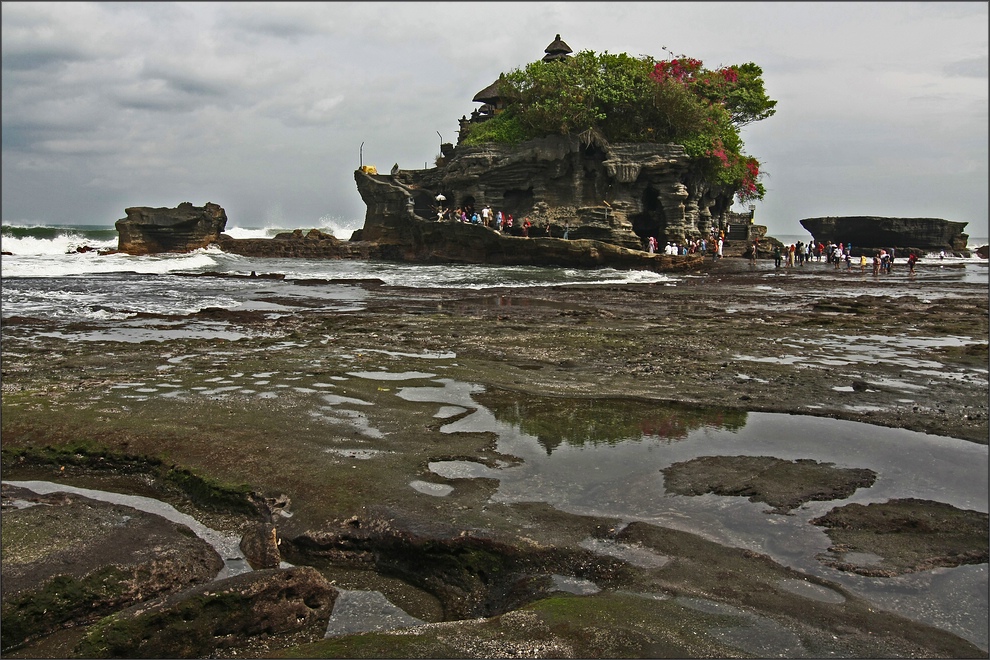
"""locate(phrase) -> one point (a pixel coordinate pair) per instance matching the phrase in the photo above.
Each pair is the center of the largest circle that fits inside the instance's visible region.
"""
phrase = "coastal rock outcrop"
(403, 235)
(872, 232)
(313, 244)
(148, 230)
(411, 239)
(614, 193)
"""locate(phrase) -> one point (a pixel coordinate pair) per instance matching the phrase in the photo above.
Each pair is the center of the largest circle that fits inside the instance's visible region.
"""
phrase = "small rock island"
(871, 233)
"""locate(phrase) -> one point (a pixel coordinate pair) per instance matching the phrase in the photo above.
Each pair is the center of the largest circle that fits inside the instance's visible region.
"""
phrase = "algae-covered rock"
(222, 614)
(69, 560)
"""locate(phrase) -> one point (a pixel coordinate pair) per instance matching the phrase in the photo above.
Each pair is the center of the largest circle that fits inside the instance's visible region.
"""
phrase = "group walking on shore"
(837, 254)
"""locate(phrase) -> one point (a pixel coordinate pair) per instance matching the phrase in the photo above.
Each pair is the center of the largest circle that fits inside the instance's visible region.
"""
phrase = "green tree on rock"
(630, 99)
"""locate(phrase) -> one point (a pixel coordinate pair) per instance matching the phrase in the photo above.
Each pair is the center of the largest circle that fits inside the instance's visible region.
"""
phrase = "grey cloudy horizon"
(263, 107)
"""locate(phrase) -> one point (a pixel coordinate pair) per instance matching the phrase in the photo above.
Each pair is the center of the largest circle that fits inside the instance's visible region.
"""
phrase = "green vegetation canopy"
(629, 99)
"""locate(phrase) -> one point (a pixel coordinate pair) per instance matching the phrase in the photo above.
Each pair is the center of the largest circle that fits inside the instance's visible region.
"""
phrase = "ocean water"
(45, 276)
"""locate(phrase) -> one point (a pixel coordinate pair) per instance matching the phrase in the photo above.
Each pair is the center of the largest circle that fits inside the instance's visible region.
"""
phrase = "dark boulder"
(186, 228)
(260, 546)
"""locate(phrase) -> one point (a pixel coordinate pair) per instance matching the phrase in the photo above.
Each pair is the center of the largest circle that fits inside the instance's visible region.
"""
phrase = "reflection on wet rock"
(578, 421)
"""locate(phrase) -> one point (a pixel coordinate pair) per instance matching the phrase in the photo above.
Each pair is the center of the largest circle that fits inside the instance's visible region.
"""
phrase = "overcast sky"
(263, 107)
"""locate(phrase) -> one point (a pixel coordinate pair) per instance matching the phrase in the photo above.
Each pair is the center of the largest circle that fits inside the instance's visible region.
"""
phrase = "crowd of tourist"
(501, 222)
(836, 254)
(795, 254)
(714, 242)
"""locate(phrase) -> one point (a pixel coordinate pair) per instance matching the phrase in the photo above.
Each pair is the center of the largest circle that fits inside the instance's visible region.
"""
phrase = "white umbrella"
(441, 198)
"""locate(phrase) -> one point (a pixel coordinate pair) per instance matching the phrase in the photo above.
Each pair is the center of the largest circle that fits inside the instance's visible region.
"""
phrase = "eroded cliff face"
(615, 193)
(148, 230)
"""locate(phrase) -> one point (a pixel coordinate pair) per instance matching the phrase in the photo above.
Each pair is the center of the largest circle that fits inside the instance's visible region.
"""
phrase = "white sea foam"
(59, 245)
(60, 264)
(253, 232)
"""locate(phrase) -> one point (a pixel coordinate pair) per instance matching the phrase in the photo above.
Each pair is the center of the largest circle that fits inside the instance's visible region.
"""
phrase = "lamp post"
(752, 213)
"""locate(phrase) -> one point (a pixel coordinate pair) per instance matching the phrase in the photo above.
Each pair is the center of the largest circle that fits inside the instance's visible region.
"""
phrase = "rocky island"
(148, 230)
(870, 233)
(595, 194)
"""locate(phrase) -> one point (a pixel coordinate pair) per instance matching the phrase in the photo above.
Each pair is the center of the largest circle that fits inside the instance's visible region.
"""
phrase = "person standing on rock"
(912, 260)
(777, 256)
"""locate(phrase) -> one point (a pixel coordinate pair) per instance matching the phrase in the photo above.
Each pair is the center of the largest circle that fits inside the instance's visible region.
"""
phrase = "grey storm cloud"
(267, 108)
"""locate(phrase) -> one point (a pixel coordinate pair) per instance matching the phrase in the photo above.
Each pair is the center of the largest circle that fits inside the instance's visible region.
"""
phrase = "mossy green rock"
(221, 614)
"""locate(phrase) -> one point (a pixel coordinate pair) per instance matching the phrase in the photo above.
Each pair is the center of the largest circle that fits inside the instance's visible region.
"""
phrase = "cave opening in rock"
(467, 204)
(651, 221)
(518, 202)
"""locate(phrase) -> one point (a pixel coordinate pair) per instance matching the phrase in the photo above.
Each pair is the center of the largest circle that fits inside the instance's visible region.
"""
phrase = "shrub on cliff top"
(629, 99)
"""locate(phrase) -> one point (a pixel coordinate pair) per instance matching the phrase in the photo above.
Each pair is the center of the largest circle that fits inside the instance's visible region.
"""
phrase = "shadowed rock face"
(876, 232)
(148, 230)
(613, 193)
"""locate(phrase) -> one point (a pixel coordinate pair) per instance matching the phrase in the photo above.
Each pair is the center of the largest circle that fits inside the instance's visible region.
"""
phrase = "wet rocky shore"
(366, 450)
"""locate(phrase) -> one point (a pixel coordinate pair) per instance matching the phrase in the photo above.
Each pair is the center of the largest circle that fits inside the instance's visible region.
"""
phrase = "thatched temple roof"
(557, 50)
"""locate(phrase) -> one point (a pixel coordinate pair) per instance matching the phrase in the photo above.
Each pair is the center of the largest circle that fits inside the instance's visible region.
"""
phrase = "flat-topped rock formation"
(148, 230)
(872, 232)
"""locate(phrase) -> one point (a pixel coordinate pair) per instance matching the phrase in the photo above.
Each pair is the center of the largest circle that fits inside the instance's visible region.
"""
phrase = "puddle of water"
(635, 555)
(574, 585)
(608, 464)
(447, 412)
(138, 335)
(336, 400)
(359, 454)
(387, 375)
(462, 470)
(428, 355)
(353, 418)
(428, 488)
(366, 611)
(811, 590)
